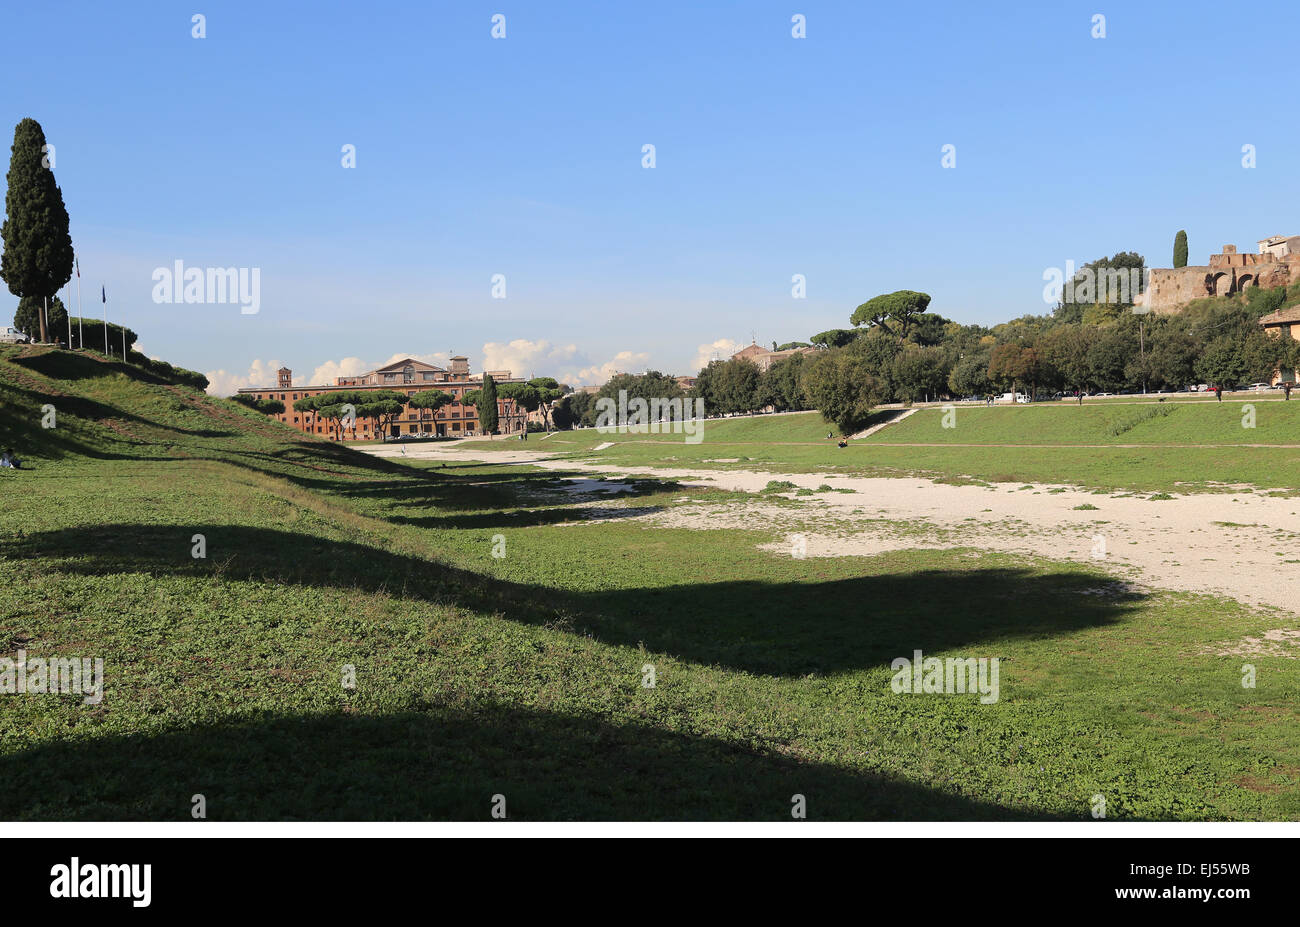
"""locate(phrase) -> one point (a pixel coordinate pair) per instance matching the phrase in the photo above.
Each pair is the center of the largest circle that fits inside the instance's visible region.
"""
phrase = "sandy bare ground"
(1240, 544)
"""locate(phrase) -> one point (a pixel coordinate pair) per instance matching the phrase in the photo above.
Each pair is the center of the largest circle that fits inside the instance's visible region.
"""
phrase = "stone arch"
(1216, 285)
(1245, 281)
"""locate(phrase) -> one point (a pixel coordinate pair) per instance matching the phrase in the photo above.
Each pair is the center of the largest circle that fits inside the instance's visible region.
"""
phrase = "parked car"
(13, 336)
(1258, 387)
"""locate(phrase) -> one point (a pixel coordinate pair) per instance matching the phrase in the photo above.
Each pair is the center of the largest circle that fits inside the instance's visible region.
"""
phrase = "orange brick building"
(1284, 323)
(408, 376)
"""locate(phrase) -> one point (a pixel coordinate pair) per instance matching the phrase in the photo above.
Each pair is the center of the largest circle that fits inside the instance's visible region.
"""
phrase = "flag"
(77, 262)
(104, 294)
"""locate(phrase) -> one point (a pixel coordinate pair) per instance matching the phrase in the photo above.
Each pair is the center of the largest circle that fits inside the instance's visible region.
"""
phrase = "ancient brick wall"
(1169, 288)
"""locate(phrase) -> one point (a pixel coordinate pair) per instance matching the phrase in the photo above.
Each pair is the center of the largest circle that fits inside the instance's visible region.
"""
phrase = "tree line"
(898, 351)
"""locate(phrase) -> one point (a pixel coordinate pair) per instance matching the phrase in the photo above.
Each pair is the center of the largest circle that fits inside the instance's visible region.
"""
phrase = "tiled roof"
(1282, 316)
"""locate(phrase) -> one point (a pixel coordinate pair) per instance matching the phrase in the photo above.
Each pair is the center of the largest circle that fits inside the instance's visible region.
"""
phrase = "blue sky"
(522, 156)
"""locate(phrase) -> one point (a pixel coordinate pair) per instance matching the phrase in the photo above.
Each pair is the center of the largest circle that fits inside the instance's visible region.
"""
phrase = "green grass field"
(1148, 446)
(522, 675)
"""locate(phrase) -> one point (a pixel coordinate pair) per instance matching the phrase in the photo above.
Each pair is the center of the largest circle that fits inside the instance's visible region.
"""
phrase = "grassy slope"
(1197, 445)
(522, 675)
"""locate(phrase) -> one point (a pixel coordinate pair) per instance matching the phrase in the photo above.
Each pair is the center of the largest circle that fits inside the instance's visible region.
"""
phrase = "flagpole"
(67, 315)
(103, 295)
(81, 336)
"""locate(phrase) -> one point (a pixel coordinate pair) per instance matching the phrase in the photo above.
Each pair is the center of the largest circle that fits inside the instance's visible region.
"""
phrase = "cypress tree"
(37, 258)
(487, 406)
(1180, 249)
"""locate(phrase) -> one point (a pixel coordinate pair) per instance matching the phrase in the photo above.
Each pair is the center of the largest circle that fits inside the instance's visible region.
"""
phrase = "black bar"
(938, 876)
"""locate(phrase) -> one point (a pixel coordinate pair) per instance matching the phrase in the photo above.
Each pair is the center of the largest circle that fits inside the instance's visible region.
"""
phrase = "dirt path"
(1240, 544)
(892, 420)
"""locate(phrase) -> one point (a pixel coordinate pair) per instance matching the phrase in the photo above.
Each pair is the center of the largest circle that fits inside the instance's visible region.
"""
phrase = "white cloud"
(326, 373)
(438, 359)
(525, 358)
(622, 362)
(263, 373)
(521, 357)
(722, 349)
(347, 367)
(224, 383)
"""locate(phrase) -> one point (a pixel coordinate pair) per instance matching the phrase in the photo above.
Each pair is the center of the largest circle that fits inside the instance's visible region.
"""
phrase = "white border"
(497, 829)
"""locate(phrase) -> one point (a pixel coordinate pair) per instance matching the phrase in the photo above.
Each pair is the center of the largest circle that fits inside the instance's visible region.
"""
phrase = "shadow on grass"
(781, 628)
(21, 415)
(456, 496)
(61, 364)
(526, 518)
(429, 762)
(23, 410)
(501, 500)
(882, 417)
